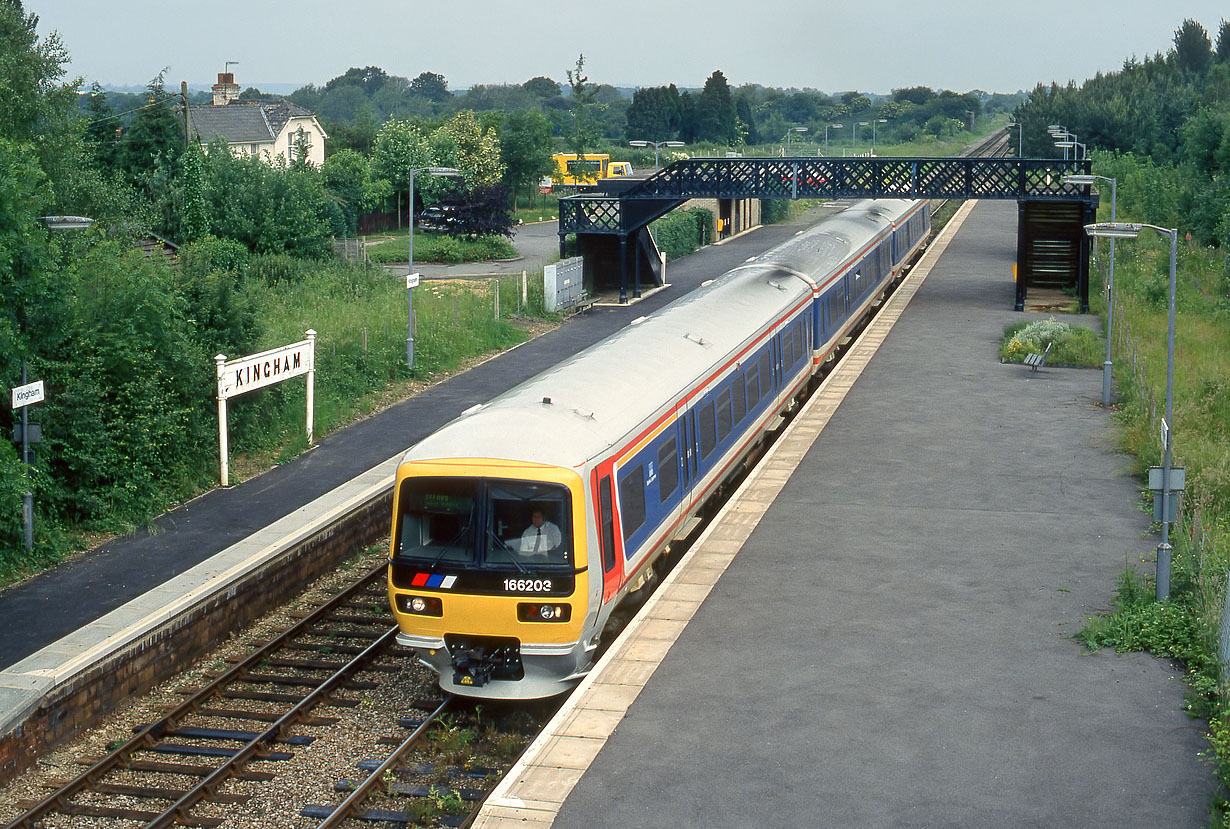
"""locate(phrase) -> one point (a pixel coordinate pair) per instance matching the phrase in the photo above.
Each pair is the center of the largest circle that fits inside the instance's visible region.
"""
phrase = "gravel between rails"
(307, 778)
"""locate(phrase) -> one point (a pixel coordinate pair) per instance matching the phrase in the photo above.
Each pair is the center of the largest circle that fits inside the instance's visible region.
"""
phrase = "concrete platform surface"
(887, 641)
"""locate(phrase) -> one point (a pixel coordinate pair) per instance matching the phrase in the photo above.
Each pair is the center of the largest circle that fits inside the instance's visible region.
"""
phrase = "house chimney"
(225, 90)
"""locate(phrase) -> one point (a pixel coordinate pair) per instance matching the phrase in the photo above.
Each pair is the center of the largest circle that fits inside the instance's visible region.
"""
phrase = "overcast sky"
(824, 44)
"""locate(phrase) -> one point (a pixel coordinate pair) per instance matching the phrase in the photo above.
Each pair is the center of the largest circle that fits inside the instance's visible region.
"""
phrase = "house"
(266, 129)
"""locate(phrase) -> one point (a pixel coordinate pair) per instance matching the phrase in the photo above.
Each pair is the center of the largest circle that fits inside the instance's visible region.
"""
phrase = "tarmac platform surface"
(877, 630)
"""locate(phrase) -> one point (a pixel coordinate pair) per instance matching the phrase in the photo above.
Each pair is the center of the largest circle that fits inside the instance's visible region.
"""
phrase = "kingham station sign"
(245, 374)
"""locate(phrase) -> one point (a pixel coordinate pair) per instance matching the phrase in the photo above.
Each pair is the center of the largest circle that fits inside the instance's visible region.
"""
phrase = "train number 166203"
(528, 585)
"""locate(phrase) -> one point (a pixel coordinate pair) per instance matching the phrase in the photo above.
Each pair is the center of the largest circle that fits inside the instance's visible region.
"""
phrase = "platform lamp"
(828, 127)
(854, 136)
(788, 136)
(875, 121)
(1130, 230)
(1072, 144)
(655, 145)
(1056, 130)
(435, 171)
(27, 497)
(1086, 180)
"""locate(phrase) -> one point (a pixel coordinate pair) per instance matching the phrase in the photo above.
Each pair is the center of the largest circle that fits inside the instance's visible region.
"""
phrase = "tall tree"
(1192, 48)
(1223, 42)
(654, 114)
(525, 147)
(585, 110)
(102, 129)
(715, 111)
(431, 86)
(156, 136)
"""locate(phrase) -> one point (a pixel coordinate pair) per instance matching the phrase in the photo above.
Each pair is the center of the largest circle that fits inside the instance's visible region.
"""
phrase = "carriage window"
(705, 429)
(723, 414)
(753, 387)
(668, 470)
(632, 500)
(738, 397)
(766, 374)
(437, 519)
(798, 340)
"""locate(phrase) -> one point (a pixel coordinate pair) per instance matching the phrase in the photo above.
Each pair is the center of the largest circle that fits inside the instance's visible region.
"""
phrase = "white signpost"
(245, 374)
(28, 394)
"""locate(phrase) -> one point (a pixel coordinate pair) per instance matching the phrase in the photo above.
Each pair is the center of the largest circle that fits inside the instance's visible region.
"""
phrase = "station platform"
(877, 629)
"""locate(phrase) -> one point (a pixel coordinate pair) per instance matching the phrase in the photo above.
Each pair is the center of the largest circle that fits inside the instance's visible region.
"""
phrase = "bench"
(1037, 361)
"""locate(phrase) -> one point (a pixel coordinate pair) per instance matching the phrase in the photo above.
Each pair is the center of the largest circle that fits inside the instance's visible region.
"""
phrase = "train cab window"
(527, 524)
(632, 500)
(738, 398)
(706, 430)
(723, 414)
(668, 470)
(437, 520)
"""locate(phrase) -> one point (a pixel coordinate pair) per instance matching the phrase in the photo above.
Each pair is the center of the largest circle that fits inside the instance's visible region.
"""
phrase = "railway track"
(238, 725)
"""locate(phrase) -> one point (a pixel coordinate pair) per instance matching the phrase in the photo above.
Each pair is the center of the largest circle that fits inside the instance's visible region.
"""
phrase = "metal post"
(1223, 638)
(311, 382)
(27, 498)
(223, 449)
(410, 290)
(1163, 549)
(1110, 304)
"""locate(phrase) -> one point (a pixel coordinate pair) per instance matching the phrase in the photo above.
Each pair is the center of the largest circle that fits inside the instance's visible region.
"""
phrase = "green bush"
(774, 211)
(684, 231)
(1070, 345)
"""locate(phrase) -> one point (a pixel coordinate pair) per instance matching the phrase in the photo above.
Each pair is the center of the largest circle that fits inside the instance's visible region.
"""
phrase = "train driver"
(541, 537)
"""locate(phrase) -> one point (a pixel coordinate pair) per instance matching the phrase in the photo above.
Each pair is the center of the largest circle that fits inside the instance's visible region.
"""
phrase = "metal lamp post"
(655, 145)
(1130, 230)
(875, 121)
(788, 136)
(1073, 144)
(1110, 282)
(435, 171)
(27, 497)
(828, 127)
(854, 137)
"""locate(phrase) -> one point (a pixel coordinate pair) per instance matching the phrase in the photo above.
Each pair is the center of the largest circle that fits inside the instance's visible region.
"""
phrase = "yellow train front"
(521, 526)
(494, 603)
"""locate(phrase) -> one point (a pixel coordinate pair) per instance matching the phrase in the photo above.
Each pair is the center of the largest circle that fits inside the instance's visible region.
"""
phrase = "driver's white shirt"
(540, 539)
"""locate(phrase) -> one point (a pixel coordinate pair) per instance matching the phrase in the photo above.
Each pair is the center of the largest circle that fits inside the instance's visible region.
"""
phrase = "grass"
(360, 320)
(441, 248)
(1071, 345)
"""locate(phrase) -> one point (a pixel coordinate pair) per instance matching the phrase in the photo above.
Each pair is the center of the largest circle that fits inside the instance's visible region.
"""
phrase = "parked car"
(438, 217)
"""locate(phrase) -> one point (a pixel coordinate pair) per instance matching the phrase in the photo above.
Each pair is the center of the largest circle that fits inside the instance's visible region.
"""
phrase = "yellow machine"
(588, 170)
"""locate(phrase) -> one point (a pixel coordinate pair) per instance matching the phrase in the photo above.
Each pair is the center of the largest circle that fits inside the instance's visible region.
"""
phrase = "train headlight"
(420, 605)
(533, 612)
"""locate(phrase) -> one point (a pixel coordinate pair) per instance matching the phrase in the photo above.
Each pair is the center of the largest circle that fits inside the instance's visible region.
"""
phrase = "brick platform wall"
(82, 702)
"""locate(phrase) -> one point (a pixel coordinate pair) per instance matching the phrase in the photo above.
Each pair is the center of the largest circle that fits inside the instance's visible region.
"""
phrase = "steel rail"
(179, 810)
(148, 736)
(346, 809)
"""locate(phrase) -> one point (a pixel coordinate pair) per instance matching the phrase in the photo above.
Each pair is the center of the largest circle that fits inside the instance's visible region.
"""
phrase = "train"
(524, 526)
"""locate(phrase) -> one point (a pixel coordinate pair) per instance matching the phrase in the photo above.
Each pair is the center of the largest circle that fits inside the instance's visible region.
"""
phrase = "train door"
(612, 561)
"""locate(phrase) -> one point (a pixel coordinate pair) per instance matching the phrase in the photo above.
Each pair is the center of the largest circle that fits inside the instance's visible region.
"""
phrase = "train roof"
(585, 405)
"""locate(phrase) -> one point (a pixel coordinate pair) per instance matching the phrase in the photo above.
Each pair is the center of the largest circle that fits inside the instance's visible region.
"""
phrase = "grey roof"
(244, 122)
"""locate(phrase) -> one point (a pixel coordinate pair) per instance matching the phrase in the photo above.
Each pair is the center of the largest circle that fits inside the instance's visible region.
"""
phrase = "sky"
(822, 44)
